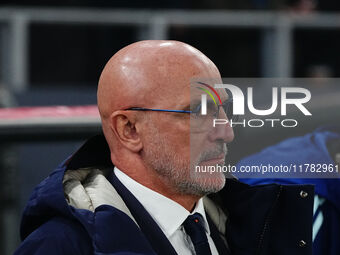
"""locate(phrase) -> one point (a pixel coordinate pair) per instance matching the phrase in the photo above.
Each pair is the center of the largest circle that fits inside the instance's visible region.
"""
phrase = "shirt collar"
(168, 214)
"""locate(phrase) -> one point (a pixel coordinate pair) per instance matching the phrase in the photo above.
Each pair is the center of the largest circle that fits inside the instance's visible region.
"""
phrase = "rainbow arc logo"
(209, 93)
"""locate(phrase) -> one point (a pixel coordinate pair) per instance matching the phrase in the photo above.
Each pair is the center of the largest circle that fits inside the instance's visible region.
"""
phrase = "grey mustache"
(214, 153)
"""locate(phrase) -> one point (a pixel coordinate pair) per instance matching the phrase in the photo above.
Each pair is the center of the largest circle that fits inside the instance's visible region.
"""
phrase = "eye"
(196, 110)
(211, 109)
(228, 108)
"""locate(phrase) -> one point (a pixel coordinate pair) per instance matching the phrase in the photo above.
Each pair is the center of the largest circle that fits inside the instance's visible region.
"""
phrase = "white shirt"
(168, 214)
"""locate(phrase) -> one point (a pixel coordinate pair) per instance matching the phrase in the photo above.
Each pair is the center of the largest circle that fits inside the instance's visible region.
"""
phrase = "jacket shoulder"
(57, 236)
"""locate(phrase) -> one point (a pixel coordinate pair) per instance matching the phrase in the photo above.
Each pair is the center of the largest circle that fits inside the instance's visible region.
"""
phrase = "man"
(135, 192)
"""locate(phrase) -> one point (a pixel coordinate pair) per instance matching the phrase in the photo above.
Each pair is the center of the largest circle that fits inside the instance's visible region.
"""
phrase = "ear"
(123, 125)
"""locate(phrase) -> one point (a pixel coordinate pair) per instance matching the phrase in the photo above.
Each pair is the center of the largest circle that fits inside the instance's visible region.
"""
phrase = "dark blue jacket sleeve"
(57, 236)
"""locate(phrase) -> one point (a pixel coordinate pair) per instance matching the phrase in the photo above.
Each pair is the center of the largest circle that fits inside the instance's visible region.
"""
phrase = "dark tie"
(194, 227)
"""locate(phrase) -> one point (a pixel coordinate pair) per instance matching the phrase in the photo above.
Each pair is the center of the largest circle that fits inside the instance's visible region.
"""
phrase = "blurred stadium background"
(53, 55)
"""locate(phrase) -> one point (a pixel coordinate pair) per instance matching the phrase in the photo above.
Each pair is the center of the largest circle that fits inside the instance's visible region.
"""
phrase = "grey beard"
(179, 172)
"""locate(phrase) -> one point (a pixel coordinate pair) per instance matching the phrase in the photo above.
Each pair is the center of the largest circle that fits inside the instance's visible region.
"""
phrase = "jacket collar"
(95, 152)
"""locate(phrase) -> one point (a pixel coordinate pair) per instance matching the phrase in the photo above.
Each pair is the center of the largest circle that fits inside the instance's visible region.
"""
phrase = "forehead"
(177, 97)
(177, 84)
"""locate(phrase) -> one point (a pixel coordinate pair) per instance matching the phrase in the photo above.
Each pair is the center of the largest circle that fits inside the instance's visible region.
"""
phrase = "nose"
(222, 132)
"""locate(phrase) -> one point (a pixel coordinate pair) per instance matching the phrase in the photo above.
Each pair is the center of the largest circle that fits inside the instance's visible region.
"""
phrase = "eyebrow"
(186, 108)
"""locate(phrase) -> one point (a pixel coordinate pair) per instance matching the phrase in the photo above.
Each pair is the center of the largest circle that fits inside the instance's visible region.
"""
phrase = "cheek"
(177, 133)
(179, 136)
(197, 145)
(182, 143)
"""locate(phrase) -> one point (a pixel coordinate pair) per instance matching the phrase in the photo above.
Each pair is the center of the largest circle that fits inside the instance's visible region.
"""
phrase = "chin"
(217, 182)
(211, 183)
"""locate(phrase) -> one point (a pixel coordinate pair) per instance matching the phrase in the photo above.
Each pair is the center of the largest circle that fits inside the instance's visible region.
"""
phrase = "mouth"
(219, 160)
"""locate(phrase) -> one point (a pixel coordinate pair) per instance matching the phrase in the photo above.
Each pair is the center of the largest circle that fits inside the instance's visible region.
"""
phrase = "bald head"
(146, 73)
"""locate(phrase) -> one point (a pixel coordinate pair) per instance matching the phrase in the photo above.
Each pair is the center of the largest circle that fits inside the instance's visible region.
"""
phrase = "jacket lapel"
(218, 241)
(148, 226)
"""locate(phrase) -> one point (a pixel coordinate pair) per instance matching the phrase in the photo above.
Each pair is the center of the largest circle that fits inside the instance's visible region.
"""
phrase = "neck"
(165, 188)
(162, 185)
